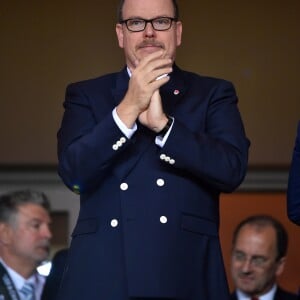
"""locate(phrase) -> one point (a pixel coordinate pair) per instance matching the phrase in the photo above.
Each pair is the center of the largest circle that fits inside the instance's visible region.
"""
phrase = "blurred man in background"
(259, 251)
(24, 243)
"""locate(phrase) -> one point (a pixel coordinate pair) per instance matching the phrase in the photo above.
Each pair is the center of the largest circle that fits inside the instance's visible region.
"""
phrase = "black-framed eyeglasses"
(138, 24)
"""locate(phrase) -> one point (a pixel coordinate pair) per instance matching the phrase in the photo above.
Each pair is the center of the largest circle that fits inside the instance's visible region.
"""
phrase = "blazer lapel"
(121, 86)
(172, 93)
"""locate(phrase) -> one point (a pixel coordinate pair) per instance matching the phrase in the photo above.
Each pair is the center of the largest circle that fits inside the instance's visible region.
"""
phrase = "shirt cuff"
(160, 141)
(128, 132)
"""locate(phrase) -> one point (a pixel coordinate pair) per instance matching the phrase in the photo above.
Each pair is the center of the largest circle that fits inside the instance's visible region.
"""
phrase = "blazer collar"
(121, 85)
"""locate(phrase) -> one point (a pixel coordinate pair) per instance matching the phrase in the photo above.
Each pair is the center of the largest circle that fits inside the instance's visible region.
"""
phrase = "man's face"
(254, 266)
(137, 45)
(30, 235)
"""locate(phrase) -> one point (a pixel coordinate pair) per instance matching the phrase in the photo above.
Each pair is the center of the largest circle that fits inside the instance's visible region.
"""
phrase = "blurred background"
(256, 45)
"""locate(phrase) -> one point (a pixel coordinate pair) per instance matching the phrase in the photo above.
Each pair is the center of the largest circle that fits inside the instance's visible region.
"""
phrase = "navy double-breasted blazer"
(293, 191)
(149, 216)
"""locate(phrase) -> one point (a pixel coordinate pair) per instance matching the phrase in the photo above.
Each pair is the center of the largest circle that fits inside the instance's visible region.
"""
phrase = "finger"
(156, 84)
(151, 57)
(159, 74)
(156, 69)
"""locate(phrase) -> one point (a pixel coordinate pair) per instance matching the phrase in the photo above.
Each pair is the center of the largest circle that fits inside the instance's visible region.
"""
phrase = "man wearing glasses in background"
(149, 150)
(259, 250)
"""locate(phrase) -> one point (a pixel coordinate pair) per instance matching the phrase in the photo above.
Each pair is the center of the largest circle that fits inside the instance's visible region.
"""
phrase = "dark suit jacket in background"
(293, 191)
(53, 280)
(279, 295)
(5, 292)
(149, 216)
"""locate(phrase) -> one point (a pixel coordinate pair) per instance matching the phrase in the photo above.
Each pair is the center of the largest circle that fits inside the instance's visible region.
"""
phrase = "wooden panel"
(46, 45)
(60, 228)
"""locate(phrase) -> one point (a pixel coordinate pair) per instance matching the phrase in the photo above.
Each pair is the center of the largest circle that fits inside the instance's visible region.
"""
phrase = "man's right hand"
(142, 85)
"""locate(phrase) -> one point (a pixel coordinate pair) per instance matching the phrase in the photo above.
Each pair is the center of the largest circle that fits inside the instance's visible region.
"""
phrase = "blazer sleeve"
(293, 190)
(86, 139)
(217, 154)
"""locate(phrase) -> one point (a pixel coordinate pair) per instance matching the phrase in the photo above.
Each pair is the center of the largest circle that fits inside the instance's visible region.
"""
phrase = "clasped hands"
(142, 100)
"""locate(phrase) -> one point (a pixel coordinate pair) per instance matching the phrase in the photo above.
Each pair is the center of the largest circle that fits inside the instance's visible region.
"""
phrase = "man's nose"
(246, 266)
(46, 232)
(149, 30)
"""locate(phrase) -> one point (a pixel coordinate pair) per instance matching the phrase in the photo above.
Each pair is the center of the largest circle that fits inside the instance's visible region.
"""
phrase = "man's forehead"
(142, 8)
(32, 211)
(253, 240)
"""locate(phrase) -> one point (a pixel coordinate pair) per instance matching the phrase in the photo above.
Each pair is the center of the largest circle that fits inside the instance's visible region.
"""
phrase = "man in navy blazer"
(259, 248)
(293, 190)
(149, 149)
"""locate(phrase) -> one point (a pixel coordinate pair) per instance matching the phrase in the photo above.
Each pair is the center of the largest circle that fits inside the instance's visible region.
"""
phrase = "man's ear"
(280, 266)
(178, 33)
(120, 35)
(5, 231)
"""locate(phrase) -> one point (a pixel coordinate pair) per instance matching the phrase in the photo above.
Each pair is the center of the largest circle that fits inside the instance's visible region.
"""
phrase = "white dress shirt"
(268, 296)
(36, 280)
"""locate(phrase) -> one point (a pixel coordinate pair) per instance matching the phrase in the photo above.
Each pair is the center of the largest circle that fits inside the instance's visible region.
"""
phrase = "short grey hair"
(10, 202)
(121, 4)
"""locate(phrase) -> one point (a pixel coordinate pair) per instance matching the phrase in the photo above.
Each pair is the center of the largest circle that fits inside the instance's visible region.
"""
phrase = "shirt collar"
(268, 296)
(17, 279)
(129, 72)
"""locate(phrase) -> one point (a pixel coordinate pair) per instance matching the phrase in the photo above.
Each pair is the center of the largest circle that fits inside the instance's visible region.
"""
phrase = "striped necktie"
(27, 292)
